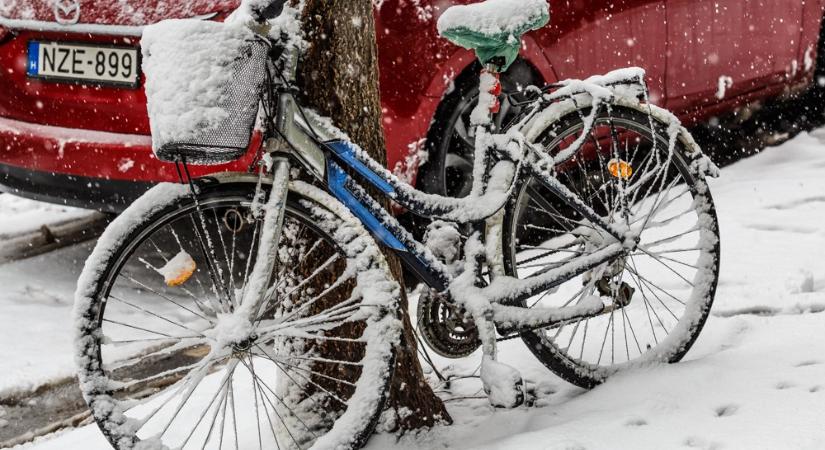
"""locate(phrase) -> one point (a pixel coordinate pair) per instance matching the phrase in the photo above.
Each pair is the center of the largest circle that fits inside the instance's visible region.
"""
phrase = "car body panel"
(743, 45)
(593, 37)
(110, 13)
(100, 133)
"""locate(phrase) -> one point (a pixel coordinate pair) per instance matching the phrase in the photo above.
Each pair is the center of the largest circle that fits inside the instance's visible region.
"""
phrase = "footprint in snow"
(782, 385)
(726, 410)
(782, 228)
(635, 423)
(797, 203)
(702, 443)
(808, 363)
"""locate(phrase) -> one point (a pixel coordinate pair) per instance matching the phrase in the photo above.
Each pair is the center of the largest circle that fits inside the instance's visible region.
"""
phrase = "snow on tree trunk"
(339, 78)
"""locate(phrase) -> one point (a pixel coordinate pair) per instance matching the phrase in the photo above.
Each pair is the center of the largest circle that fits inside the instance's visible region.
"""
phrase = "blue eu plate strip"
(33, 66)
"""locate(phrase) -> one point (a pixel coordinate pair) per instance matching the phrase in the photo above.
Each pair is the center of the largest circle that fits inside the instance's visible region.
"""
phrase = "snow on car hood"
(124, 13)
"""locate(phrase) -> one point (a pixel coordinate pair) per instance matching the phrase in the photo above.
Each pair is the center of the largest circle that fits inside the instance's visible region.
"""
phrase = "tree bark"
(338, 77)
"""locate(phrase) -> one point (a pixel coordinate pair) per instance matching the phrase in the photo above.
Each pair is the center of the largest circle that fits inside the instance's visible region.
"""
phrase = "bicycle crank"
(445, 327)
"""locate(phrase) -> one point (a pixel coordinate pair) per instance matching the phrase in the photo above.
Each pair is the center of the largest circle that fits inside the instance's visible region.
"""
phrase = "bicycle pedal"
(502, 383)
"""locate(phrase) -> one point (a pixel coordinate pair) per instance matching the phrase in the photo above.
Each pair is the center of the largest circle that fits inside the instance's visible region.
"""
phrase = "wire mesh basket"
(204, 85)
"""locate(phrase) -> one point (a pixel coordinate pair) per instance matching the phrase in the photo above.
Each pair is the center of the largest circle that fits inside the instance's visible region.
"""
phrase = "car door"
(588, 37)
(720, 49)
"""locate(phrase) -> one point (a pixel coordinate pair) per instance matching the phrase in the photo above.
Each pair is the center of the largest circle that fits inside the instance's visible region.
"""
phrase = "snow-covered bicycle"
(256, 310)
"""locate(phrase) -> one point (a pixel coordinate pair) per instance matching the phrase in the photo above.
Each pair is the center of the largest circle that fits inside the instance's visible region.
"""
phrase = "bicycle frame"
(300, 138)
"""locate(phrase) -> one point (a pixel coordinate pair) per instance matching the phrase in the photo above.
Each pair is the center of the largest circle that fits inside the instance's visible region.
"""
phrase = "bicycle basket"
(203, 86)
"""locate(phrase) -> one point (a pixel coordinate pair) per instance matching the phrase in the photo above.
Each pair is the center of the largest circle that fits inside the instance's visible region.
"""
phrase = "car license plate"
(83, 63)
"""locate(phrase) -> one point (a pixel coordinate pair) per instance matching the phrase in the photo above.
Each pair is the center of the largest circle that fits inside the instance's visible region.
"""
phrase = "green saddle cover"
(489, 45)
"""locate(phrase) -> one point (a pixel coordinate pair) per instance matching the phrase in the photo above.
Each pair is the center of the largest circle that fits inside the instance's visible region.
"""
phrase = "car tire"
(448, 170)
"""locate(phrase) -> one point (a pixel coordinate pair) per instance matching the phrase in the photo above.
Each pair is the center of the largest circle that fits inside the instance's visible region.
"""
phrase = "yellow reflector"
(620, 169)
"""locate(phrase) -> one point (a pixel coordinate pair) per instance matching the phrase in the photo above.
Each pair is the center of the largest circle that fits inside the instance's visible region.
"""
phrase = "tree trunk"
(339, 78)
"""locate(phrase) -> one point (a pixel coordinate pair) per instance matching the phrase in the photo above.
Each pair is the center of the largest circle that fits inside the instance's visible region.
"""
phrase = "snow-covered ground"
(754, 380)
(19, 215)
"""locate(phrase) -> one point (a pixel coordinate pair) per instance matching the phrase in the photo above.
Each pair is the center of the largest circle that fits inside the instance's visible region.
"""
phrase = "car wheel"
(450, 142)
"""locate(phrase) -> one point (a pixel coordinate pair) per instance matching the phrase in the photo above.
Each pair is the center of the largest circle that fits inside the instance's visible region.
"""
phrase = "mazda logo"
(67, 12)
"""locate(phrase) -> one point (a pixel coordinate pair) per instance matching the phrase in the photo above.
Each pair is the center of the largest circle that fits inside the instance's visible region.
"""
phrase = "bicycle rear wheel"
(164, 362)
(664, 288)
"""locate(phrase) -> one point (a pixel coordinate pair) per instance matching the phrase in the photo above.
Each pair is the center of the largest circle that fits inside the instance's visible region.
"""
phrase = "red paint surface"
(685, 45)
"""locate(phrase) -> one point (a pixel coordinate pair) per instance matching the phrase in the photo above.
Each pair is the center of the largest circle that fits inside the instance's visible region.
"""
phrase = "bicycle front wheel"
(627, 172)
(164, 361)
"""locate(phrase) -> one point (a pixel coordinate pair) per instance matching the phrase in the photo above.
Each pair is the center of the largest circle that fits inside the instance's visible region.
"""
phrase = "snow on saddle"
(493, 28)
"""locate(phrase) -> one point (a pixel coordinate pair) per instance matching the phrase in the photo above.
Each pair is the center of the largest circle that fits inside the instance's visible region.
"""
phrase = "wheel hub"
(246, 344)
(607, 285)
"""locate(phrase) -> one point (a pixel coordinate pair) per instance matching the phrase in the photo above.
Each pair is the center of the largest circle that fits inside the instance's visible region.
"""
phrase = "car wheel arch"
(523, 72)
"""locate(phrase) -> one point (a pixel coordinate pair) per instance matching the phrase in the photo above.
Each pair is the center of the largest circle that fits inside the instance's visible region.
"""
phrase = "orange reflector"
(620, 169)
(179, 270)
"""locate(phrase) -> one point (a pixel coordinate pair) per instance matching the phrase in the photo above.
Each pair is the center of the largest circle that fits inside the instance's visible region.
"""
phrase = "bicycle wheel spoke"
(135, 327)
(198, 376)
(544, 204)
(667, 258)
(558, 250)
(226, 257)
(668, 240)
(138, 308)
(308, 371)
(306, 282)
(263, 384)
(208, 253)
(249, 257)
(584, 338)
(164, 297)
(333, 396)
(604, 339)
(335, 285)
(218, 408)
(671, 269)
(223, 419)
(624, 332)
(652, 285)
(649, 307)
(259, 390)
(632, 331)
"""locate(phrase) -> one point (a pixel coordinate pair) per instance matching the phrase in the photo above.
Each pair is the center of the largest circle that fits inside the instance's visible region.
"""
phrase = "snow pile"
(189, 66)
(21, 216)
(287, 25)
(493, 17)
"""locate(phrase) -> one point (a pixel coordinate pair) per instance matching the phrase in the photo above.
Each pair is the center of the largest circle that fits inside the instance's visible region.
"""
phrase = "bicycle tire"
(369, 330)
(561, 355)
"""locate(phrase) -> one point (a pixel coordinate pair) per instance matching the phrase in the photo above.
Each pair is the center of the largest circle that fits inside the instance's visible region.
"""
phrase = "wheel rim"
(661, 319)
(189, 374)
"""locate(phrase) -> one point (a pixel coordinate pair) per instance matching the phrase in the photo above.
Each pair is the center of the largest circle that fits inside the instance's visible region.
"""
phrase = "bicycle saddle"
(493, 28)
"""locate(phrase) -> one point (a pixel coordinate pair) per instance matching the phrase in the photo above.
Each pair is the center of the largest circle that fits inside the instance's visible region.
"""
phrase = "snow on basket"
(203, 85)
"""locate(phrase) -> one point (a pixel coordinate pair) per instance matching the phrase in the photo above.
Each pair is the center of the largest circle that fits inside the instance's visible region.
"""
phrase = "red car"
(74, 127)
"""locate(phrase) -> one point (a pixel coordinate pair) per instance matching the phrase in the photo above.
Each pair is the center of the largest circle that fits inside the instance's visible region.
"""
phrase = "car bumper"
(72, 190)
(98, 170)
